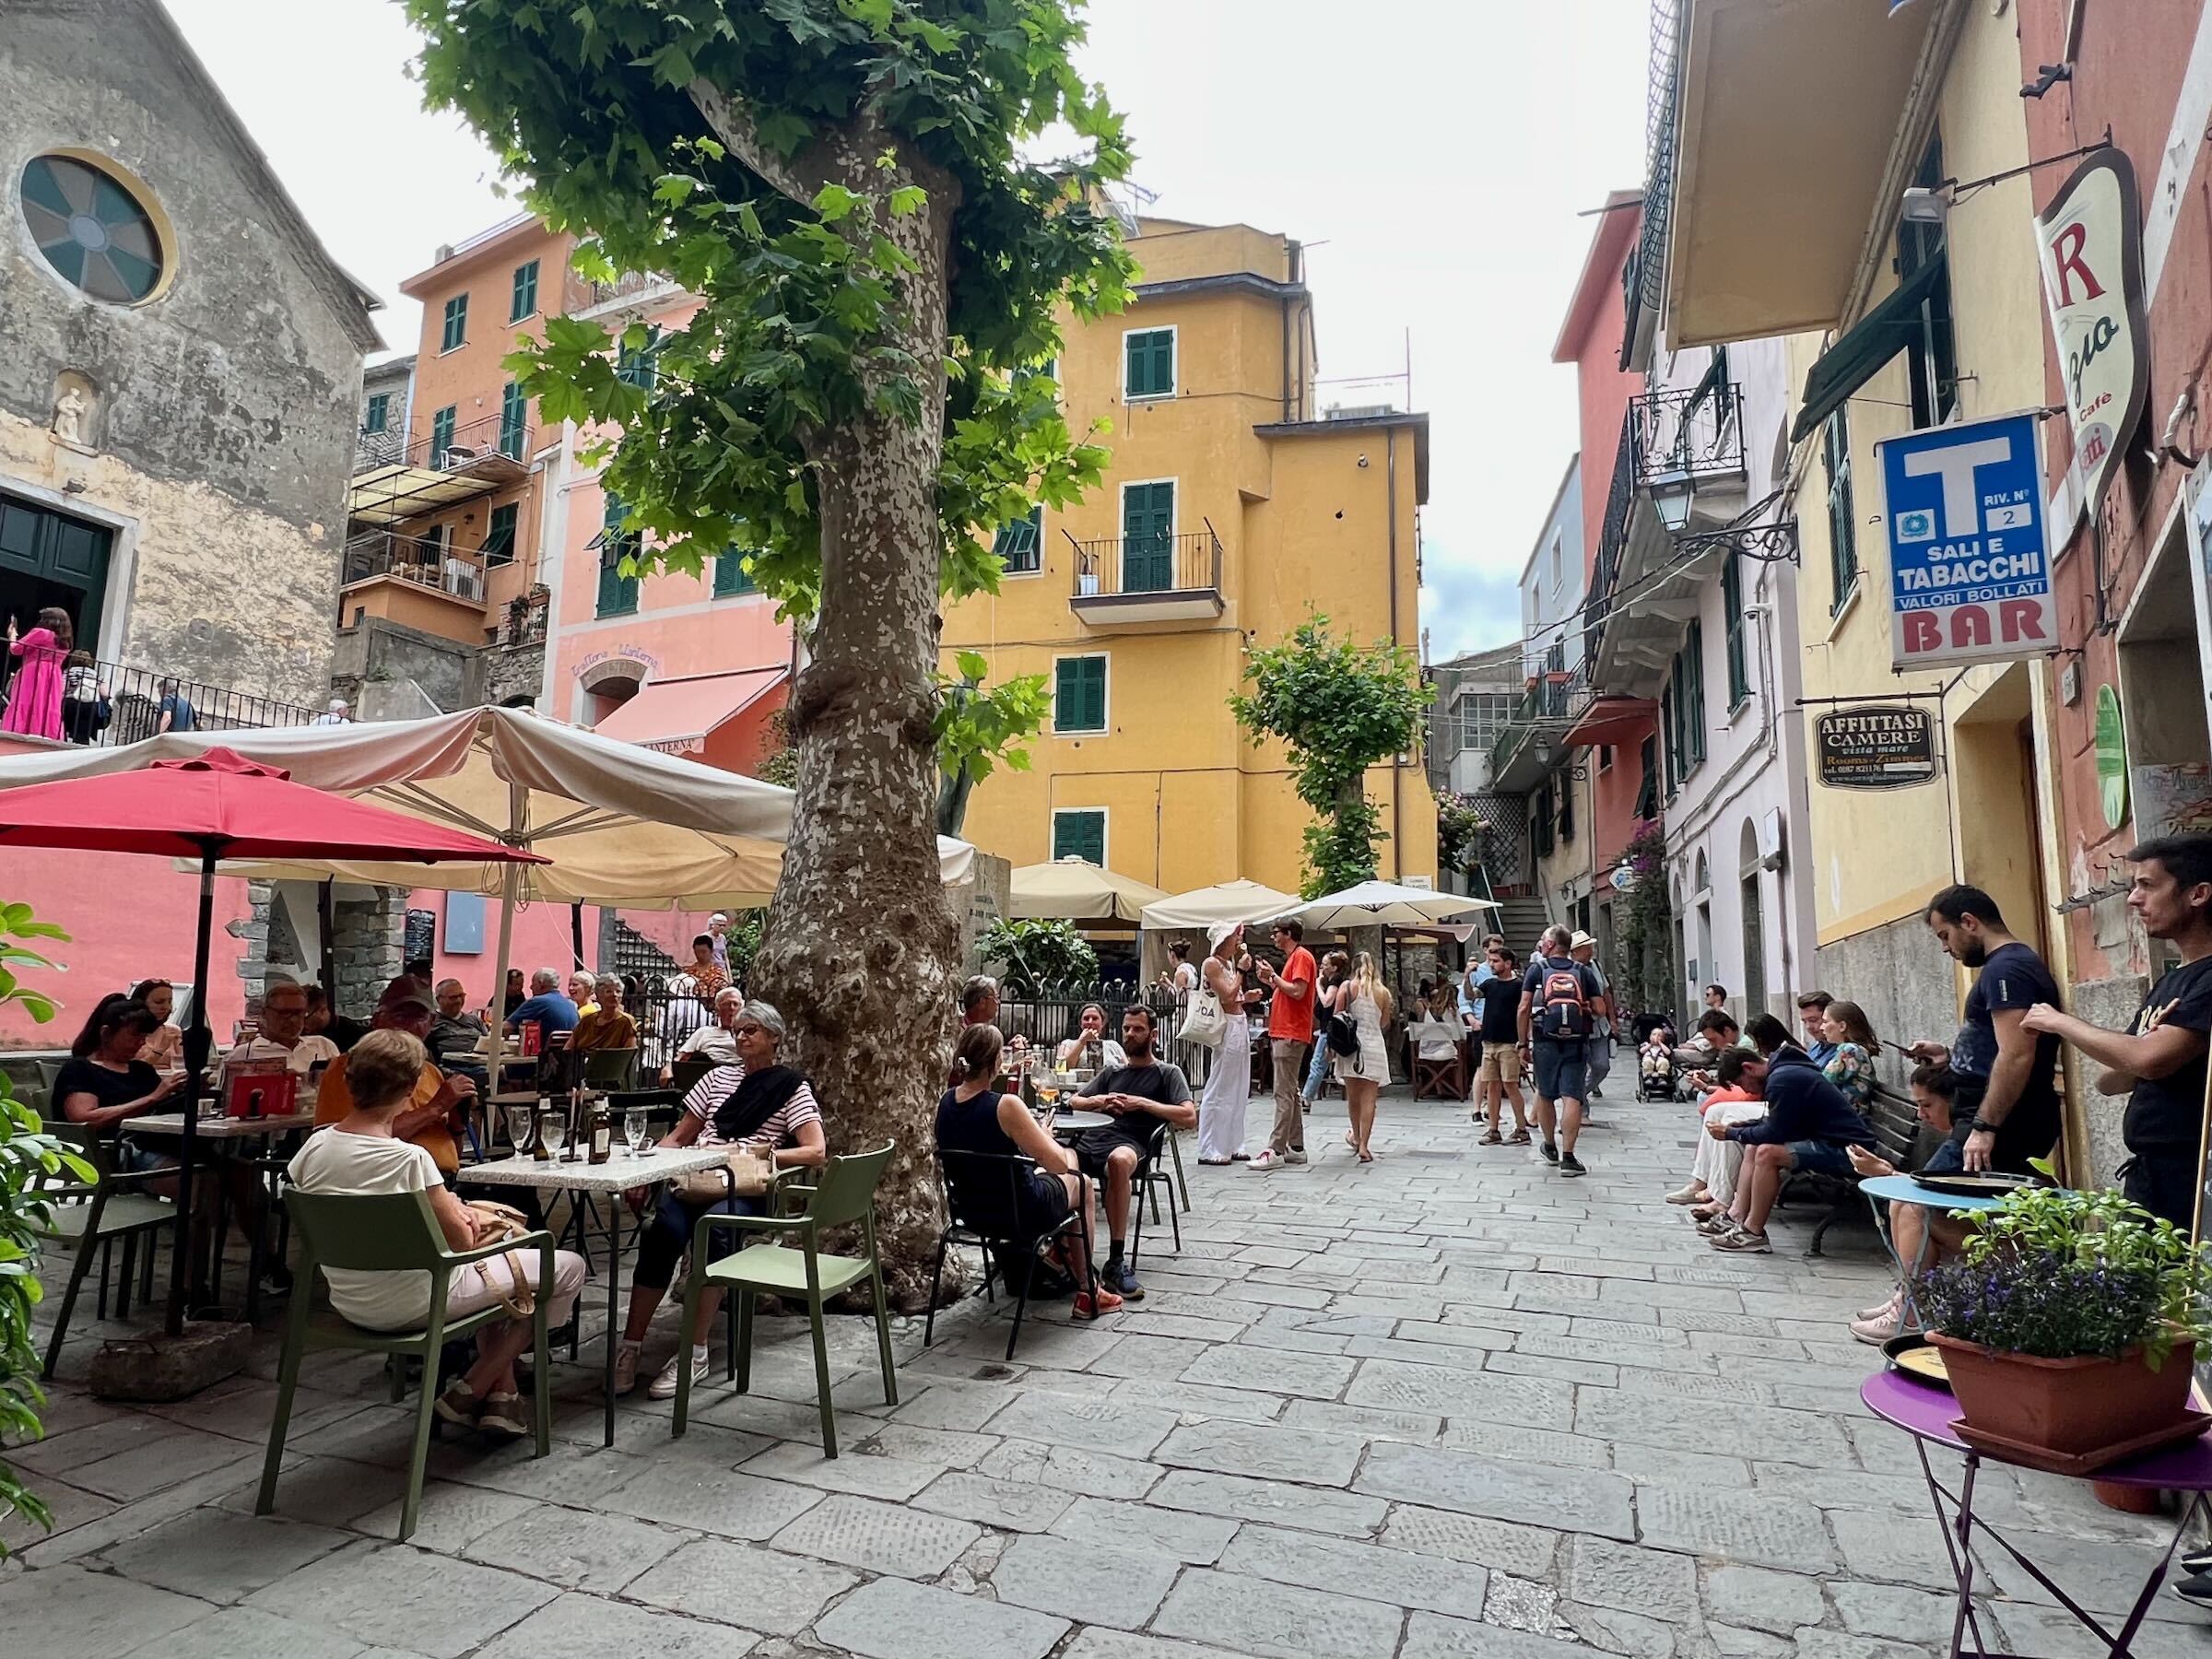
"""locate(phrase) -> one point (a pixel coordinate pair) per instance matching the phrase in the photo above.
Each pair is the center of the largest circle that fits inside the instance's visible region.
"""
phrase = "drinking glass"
(633, 1131)
(518, 1123)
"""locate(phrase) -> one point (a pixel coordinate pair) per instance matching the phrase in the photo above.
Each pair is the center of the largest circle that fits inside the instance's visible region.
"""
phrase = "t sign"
(1970, 577)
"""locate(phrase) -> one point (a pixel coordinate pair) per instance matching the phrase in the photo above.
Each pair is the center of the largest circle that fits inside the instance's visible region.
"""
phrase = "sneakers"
(459, 1405)
(1551, 1153)
(1295, 1156)
(503, 1415)
(1571, 1165)
(1491, 1138)
(1089, 1305)
(1714, 1225)
(662, 1387)
(1741, 1240)
(1117, 1275)
(2196, 1588)
(1267, 1159)
(1692, 1194)
(626, 1368)
(1519, 1137)
(1876, 1331)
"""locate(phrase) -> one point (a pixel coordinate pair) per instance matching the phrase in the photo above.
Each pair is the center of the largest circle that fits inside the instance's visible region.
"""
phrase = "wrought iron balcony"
(1128, 580)
(443, 447)
(426, 562)
(1527, 745)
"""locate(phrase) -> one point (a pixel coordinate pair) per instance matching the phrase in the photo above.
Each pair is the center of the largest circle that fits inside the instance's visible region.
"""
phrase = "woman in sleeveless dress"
(1228, 1085)
(1365, 1000)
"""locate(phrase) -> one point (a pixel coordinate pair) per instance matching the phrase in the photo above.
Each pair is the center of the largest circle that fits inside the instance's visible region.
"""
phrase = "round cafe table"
(1927, 1414)
(1074, 1122)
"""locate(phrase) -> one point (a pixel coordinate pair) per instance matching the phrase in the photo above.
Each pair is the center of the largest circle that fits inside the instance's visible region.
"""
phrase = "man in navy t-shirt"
(2007, 1110)
(1561, 1005)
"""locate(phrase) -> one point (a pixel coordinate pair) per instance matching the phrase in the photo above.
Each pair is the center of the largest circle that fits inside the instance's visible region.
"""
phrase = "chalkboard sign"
(421, 936)
(1875, 746)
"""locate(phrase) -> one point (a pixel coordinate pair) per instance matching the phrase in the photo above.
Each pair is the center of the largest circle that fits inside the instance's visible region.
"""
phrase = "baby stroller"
(1657, 1076)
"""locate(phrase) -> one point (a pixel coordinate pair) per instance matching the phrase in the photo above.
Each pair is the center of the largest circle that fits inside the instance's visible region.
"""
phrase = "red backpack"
(1562, 1007)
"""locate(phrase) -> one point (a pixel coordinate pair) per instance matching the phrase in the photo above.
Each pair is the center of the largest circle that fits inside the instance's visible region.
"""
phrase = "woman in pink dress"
(34, 698)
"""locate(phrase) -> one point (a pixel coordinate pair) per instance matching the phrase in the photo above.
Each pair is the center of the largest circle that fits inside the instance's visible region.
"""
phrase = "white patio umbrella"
(1388, 905)
(1075, 889)
(1238, 900)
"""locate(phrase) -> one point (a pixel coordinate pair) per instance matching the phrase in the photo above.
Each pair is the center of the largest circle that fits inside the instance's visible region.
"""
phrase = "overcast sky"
(1432, 154)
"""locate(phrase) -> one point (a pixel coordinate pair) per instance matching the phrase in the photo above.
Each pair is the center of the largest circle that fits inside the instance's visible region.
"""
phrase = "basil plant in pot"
(2069, 1322)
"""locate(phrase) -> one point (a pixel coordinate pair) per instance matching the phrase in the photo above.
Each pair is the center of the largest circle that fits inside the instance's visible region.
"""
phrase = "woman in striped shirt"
(758, 1100)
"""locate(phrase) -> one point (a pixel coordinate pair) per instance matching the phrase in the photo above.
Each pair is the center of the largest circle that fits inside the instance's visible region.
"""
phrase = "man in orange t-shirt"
(437, 1111)
(1289, 1037)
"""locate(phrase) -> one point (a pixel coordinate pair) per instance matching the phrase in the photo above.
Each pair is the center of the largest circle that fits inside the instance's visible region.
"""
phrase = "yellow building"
(1229, 510)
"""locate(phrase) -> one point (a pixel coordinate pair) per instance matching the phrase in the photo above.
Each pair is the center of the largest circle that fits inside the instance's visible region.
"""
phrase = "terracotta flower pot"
(2066, 1407)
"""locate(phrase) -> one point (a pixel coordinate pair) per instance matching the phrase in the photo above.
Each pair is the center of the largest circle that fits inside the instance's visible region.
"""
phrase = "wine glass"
(518, 1123)
(1048, 1089)
(633, 1131)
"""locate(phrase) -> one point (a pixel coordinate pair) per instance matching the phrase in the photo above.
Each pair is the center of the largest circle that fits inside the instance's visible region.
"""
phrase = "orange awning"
(1618, 720)
(676, 715)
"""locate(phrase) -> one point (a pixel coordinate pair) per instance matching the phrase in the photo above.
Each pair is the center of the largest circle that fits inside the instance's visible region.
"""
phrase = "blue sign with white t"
(1970, 573)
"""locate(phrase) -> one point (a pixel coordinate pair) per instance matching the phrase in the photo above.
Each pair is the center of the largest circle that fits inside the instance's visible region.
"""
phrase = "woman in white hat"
(1228, 1085)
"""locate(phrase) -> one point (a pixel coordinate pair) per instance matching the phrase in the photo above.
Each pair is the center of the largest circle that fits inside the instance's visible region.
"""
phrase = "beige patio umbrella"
(1075, 889)
(1390, 904)
(1238, 900)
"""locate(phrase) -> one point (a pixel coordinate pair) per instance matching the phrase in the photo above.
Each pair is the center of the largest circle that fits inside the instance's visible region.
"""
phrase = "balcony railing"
(1122, 566)
(418, 559)
(1643, 278)
(448, 449)
(1668, 440)
(1548, 710)
(135, 699)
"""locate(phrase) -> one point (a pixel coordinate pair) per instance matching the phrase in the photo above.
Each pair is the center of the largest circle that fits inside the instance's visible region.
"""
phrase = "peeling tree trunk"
(861, 945)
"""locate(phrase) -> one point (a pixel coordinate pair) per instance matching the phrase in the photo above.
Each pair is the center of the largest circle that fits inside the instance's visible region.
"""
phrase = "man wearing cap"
(438, 1110)
(1583, 949)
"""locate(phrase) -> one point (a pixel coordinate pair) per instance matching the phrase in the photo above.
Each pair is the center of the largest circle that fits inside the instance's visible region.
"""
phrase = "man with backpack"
(1561, 1005)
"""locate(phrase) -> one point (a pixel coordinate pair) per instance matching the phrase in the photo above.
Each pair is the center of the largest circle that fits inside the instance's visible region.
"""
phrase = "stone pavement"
(1447, 1405)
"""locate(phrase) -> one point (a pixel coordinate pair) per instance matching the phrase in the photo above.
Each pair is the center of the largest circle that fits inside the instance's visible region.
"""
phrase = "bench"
(1897, 1132)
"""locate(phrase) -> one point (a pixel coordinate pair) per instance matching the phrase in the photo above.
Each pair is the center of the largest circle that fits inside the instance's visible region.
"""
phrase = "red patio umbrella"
(215, 805)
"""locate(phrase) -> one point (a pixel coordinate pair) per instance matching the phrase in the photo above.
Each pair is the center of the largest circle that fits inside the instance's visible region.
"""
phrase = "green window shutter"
(1693, 715)
(1080, 835)
(1732, 606)
(456, 322)
(515, 421)
(499, 538)
(441, 432)
(1079, 700)
(638, 366)
(377, 415)
(618, 593)
(525, 293)
(731, 577)
(1149, 369)
(1020, 547)
(1842, 531)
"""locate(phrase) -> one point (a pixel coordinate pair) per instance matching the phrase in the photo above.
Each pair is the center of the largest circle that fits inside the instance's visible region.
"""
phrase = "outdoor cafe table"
(1925, 1413)
(224, 1135)
(617, 1175)
(1074, 1122)
(1903, 1188)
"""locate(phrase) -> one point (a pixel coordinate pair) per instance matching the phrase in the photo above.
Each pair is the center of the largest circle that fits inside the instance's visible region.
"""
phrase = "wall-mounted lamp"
(1927, 205)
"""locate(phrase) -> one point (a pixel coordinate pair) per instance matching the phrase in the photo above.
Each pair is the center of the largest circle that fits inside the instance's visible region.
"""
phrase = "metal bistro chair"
(984, 1199)
(846, 1194)
(1151, 1174)
(394, 1233)
(92, 1217)
(683, 1073)
(609, 1070)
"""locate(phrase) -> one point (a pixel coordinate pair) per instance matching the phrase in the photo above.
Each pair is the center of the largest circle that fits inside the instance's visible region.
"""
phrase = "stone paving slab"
(1447, 1405)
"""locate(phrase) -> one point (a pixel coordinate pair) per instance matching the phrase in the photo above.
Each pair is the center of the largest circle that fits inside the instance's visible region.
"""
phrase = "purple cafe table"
(1926, 1415)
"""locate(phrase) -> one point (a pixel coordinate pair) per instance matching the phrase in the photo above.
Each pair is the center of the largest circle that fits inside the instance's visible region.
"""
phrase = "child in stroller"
(1657, 1077)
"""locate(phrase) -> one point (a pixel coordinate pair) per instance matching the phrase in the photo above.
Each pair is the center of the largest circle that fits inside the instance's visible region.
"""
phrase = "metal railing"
(135, 699)
(1666, 438)
(423, 560)
(1644, 279)
(1148, 564)
(424, 443)
(1547, 709)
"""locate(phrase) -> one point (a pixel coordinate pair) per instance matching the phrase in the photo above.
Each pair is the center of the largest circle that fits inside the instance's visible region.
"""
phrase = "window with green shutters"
(1148, 369)
(376, 414)
(1685, 709)
(1080, 694)
(525, 293)
(498, 537)
(731, 576)
(1732, 609)
(618, 593)
(1020, 547)
(1842, 532)
(456, 322)
(1080, 832)
(639, 365)
(515, 421)
(441, 433)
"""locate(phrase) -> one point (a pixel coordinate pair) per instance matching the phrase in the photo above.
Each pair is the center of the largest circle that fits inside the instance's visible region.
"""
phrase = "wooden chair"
(846, 1193)
(92, 1217)
(982, 1198)
(1439, 1080)
(394, 1233)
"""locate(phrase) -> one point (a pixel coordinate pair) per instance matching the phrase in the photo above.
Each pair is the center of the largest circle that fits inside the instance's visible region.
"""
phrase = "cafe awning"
(1866, 347)
(676, 716)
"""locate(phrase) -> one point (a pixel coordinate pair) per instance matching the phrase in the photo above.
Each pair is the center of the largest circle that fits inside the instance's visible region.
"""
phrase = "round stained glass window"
(91, 230)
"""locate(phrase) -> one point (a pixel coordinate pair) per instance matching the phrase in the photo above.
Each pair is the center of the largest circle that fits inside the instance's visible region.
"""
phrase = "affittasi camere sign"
(1875, 746)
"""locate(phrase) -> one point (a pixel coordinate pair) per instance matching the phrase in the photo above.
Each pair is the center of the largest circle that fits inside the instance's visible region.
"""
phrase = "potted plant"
(2069, 1326)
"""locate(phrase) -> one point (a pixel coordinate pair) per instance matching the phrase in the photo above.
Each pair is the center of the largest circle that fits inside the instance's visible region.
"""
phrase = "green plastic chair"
(846, 1192)
(606, 1069)
(91, 1216)
(393, 1233)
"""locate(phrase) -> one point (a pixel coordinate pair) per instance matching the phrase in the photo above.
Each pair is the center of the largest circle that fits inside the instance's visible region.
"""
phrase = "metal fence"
(133, 700)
